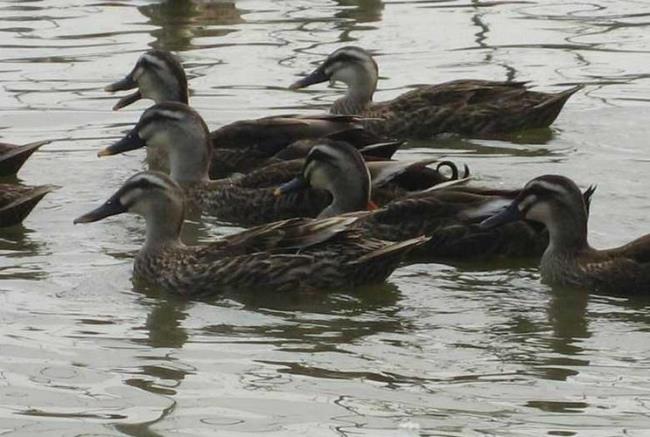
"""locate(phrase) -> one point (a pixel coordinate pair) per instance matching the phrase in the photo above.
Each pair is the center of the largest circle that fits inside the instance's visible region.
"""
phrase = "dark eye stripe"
(319, 155)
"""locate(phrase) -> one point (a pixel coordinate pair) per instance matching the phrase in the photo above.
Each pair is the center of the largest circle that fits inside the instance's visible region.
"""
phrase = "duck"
(248, 200)
(450, 214)
(17, 201)
(245, 144)
(12, 156)
(291, 255)
(569, 260)
(478, 108)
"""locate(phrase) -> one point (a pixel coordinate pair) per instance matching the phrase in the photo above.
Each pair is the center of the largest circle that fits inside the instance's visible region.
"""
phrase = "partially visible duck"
(247, 200)
(243, 145)
(449, 214)
(569, 259)
(12, 157)
(468, 107)
(291, 255)
(17, 201)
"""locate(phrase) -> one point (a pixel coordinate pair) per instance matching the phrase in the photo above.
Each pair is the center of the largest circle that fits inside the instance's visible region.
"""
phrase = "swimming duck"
(242, 145)
(17, 201)
(569, 260)
(296, 254)
(12, 156)
(468, 107)
(448, 213)
(248, 200)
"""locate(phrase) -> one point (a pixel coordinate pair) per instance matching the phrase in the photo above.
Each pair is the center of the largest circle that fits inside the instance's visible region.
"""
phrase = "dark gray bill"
(317, 76)
(509, 214)
(131, 141)
(295, 184)
(127, 100)
(128, 83)
(112, 206)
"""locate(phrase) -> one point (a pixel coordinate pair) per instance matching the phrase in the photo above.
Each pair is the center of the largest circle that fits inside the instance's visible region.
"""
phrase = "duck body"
(232, 203)
(296, 254)
(17, 201)
(449, 214)
(467, 107)
(240, 146)
(248, 144)
(249, 199)
(451, 217)
(345, 260)
(621, 270)
(569, 260)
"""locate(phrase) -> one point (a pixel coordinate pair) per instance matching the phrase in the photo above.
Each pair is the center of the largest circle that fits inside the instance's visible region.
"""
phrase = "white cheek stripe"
(154, 60)
(548, 186)
(527, 202)
(130, 196)
(357, 54)
(176, 115)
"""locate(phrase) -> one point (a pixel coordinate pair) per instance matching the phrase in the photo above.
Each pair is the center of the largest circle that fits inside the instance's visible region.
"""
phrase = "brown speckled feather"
(295, 255)
(244, 145)
(249, 200)
(446, 217)
(468, 107)
(12, 156)
(621, 270)
(253, 206)
(16, 202)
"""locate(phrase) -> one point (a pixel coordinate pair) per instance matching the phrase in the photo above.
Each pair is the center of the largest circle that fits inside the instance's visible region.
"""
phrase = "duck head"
(176, 128)
(339, 169)
(556, 202)
(157, 75)
(351, 65)
(152, 195)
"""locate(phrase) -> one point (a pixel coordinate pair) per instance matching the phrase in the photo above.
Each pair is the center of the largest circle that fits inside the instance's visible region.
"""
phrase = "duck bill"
(127, 100)
(508, 215)
(296, 184)
(112, 206)
(128, 83)
(317, 76)
(131, 141)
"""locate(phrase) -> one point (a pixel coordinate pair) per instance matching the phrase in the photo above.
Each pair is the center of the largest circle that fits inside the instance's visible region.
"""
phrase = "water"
(439, 350)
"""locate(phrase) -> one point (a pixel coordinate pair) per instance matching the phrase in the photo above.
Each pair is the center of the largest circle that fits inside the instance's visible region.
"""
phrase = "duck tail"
(547, 111)
(377, 265)
(15, 212)
(12, 157)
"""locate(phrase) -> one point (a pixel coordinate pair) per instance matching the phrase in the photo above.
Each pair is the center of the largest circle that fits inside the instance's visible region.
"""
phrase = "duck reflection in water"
(181, 21)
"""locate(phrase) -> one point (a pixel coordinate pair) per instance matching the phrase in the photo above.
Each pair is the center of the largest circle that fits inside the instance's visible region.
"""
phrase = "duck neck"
(172, 94)
(347, 196)
(567, 238)
(163, 228)
(358, 96)
(189, 159)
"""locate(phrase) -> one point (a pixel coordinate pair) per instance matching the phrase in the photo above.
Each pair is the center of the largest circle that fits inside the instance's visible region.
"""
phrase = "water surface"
(439, 350)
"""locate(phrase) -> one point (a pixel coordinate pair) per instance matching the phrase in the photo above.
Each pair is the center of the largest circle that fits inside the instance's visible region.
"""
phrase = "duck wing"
(469, 107)
(286, 236)
(246, 144)
(450, 217)
(624, 270)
